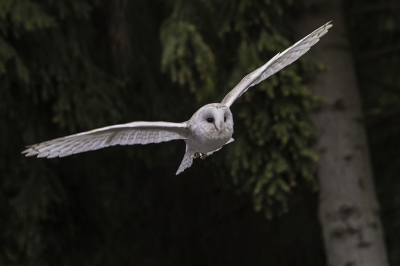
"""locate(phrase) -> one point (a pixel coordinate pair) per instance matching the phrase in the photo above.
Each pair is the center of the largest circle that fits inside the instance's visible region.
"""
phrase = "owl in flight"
(210, 128)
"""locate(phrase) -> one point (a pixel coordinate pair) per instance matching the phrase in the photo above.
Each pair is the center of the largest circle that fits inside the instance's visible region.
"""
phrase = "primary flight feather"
(210, 128)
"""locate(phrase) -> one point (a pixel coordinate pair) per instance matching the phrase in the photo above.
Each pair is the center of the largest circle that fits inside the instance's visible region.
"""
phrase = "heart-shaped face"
(210, 128)
(215, 121)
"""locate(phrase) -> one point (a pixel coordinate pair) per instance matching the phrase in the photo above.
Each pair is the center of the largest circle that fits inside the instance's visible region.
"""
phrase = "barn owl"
(210, 128)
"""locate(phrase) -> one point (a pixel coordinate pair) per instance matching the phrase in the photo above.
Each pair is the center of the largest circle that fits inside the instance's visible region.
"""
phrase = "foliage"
(50, 86)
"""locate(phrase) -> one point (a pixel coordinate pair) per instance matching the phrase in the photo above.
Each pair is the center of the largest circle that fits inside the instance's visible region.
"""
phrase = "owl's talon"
(196, 155)
(203, 156)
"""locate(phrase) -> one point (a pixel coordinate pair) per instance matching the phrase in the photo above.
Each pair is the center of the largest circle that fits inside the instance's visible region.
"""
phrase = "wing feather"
(125, 134)
(278, 62)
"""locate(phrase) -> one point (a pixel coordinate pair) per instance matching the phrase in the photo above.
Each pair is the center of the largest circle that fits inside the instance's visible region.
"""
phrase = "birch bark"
(348, 208)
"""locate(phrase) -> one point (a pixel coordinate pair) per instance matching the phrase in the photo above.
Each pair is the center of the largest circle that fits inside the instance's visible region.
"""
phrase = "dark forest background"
(70, 66)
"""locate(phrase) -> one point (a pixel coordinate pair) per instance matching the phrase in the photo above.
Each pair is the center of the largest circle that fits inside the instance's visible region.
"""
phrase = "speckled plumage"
(210, 128)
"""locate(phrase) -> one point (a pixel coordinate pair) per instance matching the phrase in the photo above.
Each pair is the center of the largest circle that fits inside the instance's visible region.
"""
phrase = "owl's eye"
(224, 118)
(210, 120)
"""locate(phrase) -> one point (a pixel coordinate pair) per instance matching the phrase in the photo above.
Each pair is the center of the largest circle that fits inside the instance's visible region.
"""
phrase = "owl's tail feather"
(187, 159)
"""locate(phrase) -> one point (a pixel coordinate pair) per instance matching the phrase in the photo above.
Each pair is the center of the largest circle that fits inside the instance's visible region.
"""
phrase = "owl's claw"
(199, 154)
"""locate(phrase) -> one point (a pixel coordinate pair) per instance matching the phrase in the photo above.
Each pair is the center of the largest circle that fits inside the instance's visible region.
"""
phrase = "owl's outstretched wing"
(278, 62)
(124, 134)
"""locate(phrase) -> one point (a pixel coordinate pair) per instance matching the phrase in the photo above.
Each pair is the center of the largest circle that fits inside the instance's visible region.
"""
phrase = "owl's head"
(215, 120)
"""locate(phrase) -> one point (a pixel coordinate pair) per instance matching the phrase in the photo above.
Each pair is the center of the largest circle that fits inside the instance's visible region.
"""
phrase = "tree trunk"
(348, 210)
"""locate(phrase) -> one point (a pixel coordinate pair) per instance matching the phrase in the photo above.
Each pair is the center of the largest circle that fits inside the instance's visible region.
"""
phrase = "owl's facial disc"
(215, 121)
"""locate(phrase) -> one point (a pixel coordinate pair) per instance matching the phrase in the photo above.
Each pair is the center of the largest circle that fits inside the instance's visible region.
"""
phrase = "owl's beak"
(218, 123)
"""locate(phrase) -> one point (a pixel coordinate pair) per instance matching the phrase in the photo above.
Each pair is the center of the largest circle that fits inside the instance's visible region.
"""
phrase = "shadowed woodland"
(73, 65)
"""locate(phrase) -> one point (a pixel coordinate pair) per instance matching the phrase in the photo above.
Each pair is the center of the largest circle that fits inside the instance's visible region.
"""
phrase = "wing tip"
(29, 152)
(325, 28)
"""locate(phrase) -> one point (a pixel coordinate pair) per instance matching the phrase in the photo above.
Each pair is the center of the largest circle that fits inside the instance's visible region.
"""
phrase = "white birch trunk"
(348, 208)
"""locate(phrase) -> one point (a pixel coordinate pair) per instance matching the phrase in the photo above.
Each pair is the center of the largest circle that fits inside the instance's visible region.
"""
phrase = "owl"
(207, 131)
